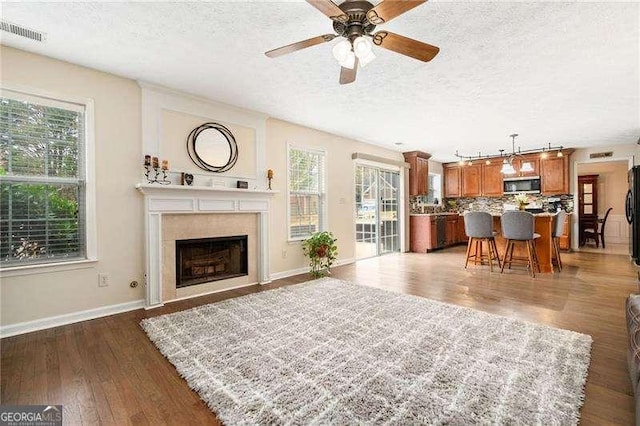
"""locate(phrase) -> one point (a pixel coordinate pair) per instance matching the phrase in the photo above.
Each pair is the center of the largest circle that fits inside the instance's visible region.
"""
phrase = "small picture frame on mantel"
(242, 184)
(186, 179)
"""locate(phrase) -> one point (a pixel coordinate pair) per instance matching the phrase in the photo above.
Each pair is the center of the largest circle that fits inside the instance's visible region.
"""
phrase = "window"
(434, 195)
(42, 180)
(306, 192)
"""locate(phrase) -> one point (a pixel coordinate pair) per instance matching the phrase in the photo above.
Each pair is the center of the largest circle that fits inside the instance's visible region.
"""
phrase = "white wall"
(36, 295)
(287, 256)
(612, 189)
(615, 231)
(33, 298)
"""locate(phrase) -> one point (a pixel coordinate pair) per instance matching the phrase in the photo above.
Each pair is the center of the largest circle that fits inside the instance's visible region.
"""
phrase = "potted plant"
(322, 252)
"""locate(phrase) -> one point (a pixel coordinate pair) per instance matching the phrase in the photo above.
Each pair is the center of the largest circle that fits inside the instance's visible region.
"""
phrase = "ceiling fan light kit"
(507, 159)
(354, 21)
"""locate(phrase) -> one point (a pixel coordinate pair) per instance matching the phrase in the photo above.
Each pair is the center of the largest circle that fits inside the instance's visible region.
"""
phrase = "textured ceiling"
(564, 73)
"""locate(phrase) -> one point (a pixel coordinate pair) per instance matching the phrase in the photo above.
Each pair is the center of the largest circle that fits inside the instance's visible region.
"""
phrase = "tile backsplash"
(489, 204)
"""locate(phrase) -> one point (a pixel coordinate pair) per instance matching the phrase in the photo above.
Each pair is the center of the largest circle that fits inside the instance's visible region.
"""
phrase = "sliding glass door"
(377, 211)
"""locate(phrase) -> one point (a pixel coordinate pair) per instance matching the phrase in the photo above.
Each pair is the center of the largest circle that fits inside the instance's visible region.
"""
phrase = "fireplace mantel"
(149, 189)
(178, 199)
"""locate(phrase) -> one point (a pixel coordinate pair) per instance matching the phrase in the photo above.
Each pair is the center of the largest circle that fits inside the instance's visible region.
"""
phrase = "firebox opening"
(210, 259)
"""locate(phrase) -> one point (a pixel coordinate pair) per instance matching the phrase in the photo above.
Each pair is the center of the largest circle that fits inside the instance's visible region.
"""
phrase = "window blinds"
(42, 180)
(306, 192)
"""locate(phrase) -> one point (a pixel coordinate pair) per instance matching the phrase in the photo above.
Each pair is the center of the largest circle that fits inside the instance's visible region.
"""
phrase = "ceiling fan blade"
(349, 75)
(389, 9)
(405, 45)
(330, 9)
(300, 45)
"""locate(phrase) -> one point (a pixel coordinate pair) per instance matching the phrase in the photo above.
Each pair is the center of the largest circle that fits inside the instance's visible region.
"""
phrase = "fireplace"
(210, 259)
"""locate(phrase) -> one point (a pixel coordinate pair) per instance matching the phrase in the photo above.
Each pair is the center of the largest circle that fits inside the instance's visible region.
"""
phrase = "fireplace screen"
(210, 259)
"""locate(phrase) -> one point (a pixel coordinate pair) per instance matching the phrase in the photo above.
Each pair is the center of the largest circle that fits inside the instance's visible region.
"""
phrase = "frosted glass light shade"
(365, 60)
(341, 50)
(349, 61)
(362, 47)
(507, 168)
(526, 167)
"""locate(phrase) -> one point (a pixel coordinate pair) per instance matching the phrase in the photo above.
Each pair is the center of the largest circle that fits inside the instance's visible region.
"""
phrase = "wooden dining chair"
(595, 231)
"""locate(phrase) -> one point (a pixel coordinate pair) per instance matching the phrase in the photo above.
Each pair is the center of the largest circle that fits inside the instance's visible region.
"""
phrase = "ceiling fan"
(355, 20)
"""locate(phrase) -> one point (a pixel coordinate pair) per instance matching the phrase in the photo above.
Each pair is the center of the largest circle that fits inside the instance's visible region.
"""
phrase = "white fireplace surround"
(174, 199)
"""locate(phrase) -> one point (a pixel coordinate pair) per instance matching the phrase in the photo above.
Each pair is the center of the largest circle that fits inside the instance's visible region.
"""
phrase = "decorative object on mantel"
(212, 147)
(156, 171)
(522, 200)
(186, 179)
(242, 184)
(322, 252)
(507, 159)
(269, 177)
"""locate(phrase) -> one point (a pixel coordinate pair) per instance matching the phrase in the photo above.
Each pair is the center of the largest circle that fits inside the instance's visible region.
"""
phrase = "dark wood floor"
(107, 371)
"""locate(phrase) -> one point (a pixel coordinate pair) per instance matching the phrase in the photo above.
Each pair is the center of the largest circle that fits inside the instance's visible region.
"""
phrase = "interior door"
(587, 203)
(377, 211)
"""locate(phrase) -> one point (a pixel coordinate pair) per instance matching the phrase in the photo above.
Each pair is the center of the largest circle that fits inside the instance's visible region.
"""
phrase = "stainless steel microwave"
(517, 185)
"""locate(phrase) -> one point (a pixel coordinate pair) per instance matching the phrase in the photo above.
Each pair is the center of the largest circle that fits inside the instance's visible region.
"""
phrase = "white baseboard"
(298, 271)
(58, 320)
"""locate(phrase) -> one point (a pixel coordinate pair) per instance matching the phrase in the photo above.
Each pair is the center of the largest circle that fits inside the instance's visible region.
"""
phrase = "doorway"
(609, 188)
(377, 202)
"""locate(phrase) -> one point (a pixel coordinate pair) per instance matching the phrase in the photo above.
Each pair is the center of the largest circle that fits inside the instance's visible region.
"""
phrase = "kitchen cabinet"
(418, 172)
(554, 175)
(487, 179)
(432, 232)
(452, 187)
(451, 230)
(492, 179)
(462, 234)
(471, 180)
(423, 233)
(564, 240)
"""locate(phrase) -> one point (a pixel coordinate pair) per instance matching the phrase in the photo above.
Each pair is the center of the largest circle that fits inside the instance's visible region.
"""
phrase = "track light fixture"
(507, 159)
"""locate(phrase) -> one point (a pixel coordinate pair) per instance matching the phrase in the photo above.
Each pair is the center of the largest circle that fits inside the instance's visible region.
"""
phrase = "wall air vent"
(22, 31)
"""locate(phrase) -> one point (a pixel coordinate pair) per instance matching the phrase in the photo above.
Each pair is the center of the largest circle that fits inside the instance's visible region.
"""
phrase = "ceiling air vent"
(22, 31)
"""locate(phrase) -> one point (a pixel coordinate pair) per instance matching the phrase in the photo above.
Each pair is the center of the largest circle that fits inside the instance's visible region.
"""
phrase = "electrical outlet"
(103, 280)
(284, 253)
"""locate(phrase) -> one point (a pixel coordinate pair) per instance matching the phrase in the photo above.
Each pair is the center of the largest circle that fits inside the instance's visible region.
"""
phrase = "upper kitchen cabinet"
(487, 180)
(419, 172)
(452, 187)
(471, 180)
(492, 179)
(554, 173)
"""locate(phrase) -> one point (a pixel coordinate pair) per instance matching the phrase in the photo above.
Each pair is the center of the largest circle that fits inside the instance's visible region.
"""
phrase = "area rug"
(331, 352)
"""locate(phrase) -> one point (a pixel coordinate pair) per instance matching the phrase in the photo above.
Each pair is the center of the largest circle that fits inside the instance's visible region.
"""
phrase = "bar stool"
(517, 227)
(558, 230)
(479, 228)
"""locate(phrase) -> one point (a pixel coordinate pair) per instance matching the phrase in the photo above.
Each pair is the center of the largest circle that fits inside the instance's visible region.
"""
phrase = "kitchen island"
(544, 245)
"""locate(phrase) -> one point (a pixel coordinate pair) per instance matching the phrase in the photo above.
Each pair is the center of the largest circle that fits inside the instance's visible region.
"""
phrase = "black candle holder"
(156, 175)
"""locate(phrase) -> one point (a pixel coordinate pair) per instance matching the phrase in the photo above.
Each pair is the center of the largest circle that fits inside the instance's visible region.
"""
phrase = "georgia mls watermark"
(30, 415)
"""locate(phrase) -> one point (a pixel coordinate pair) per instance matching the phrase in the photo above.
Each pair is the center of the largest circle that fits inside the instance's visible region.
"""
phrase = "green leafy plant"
(322, 251)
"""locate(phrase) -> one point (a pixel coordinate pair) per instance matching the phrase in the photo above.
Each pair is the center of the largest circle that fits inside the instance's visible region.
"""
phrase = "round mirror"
(212, 147)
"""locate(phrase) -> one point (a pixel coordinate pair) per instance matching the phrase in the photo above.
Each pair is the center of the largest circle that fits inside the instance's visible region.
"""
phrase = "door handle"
(628, 206)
